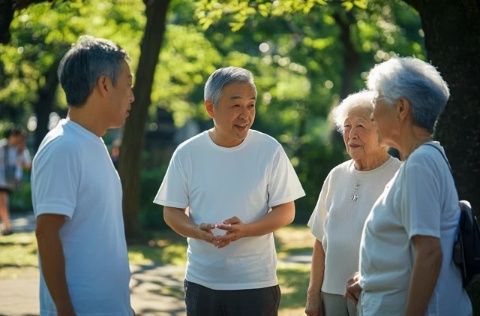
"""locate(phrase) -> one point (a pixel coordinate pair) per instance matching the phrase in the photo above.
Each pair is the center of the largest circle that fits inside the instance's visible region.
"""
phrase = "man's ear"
(103, 85)
(209, 107)
(403, 107)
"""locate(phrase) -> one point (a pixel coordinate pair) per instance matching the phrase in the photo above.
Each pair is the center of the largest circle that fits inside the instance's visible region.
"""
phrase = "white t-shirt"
(74, 176)
(216, 183)
(338, 218)
(420, 200)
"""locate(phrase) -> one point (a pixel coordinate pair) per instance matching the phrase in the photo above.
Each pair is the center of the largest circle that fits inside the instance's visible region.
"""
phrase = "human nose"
(353, 133)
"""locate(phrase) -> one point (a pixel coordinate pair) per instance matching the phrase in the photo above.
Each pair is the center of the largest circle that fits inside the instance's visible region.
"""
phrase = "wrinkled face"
(360, 134)
(121, 97)
(234, 114)
(384, 117)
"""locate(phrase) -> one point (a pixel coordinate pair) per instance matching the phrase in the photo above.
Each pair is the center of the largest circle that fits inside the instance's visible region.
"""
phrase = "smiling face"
(121, 97)
(233, 115)
(360, 136)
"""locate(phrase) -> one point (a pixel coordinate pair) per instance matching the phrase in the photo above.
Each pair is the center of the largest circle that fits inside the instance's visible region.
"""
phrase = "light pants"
(338, 305)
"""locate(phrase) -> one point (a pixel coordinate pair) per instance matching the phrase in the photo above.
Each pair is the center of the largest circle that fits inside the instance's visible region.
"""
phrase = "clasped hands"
(234, 229)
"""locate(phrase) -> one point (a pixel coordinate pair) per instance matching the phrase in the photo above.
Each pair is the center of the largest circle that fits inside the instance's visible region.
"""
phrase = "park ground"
(157, 271)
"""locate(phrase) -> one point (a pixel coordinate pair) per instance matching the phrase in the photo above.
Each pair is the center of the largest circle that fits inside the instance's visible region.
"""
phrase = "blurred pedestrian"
(8, 173)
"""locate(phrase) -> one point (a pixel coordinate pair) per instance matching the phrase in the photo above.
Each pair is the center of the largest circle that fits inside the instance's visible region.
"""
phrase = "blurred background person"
(24, 159)
(345, 201)
(8, 173)
(406, 265)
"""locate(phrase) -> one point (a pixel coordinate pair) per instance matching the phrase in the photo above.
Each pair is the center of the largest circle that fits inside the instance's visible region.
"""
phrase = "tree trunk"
(133, 136)
(7, 8)
(350, 57)
(45, 103)
(452, 40)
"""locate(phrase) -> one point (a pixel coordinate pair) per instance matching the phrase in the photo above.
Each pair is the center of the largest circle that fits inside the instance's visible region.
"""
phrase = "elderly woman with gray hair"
(345, 200)
(406, 263)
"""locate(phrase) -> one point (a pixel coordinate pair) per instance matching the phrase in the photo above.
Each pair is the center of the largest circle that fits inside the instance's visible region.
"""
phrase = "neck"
(84, 117)
(372, 162)
(413, 140)
(216, 137)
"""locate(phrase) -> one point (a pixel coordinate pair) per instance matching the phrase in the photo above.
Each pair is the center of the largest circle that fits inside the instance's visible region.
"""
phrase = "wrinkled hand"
(353, 289)
(235, 229)
(314, 305)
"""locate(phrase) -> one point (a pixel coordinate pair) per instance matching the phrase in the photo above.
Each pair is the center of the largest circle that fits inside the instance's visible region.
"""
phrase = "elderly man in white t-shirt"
(76, 191)
(227, 189)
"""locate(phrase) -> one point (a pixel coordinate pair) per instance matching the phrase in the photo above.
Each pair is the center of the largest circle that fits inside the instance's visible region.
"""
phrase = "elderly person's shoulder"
(348, 167)
(429, 154)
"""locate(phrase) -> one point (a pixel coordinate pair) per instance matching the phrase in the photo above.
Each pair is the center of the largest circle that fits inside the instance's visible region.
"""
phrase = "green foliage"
(292, 47)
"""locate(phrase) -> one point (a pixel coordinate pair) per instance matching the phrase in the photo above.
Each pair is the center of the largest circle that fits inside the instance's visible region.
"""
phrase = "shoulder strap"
(443, 155)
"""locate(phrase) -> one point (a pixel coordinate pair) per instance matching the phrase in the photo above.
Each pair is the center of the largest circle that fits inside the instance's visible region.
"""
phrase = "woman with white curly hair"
(345, 200)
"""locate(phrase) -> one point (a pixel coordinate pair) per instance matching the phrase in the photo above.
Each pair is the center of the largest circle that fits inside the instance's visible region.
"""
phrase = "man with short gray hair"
(227, 189)
(76, 191)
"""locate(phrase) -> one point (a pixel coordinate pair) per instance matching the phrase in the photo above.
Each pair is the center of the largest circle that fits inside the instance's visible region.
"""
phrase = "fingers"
(232, 220)
(206, 227)
(353, 292)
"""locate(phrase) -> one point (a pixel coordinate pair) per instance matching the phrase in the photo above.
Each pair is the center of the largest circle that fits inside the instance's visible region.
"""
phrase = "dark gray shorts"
(202, 301)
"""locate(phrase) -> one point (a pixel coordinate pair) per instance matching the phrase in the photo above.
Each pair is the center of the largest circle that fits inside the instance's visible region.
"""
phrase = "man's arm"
(279, 216)
(53, 261)
(178, 220)
(426, 267)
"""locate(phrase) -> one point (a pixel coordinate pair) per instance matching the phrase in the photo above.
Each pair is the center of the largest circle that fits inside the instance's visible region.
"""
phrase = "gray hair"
(223, 77)
(360, 100)
(84, 63)
(415, 80)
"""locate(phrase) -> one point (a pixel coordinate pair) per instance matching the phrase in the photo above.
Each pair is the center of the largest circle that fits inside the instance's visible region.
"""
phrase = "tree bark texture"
(452, 40)
(133, 134)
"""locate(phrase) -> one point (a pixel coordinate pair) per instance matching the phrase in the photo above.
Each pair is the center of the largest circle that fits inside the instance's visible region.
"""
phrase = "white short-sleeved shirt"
(420, 200)
(73, 175)
(338, 218)
(216, 183)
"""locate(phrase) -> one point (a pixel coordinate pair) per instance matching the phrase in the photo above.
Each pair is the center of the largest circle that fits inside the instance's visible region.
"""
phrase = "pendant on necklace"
(355, 195)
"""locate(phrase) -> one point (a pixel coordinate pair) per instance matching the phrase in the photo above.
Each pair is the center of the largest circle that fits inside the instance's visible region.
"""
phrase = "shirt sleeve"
(319, 215)
(55, 181)
(283, 185)
(421, 200)
(173, 191)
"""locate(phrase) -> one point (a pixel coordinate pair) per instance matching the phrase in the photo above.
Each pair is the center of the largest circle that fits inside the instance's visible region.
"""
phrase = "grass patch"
(17, 251)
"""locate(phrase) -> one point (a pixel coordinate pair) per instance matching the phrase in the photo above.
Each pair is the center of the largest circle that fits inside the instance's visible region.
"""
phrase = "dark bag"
(466, 251)
(466, 248)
